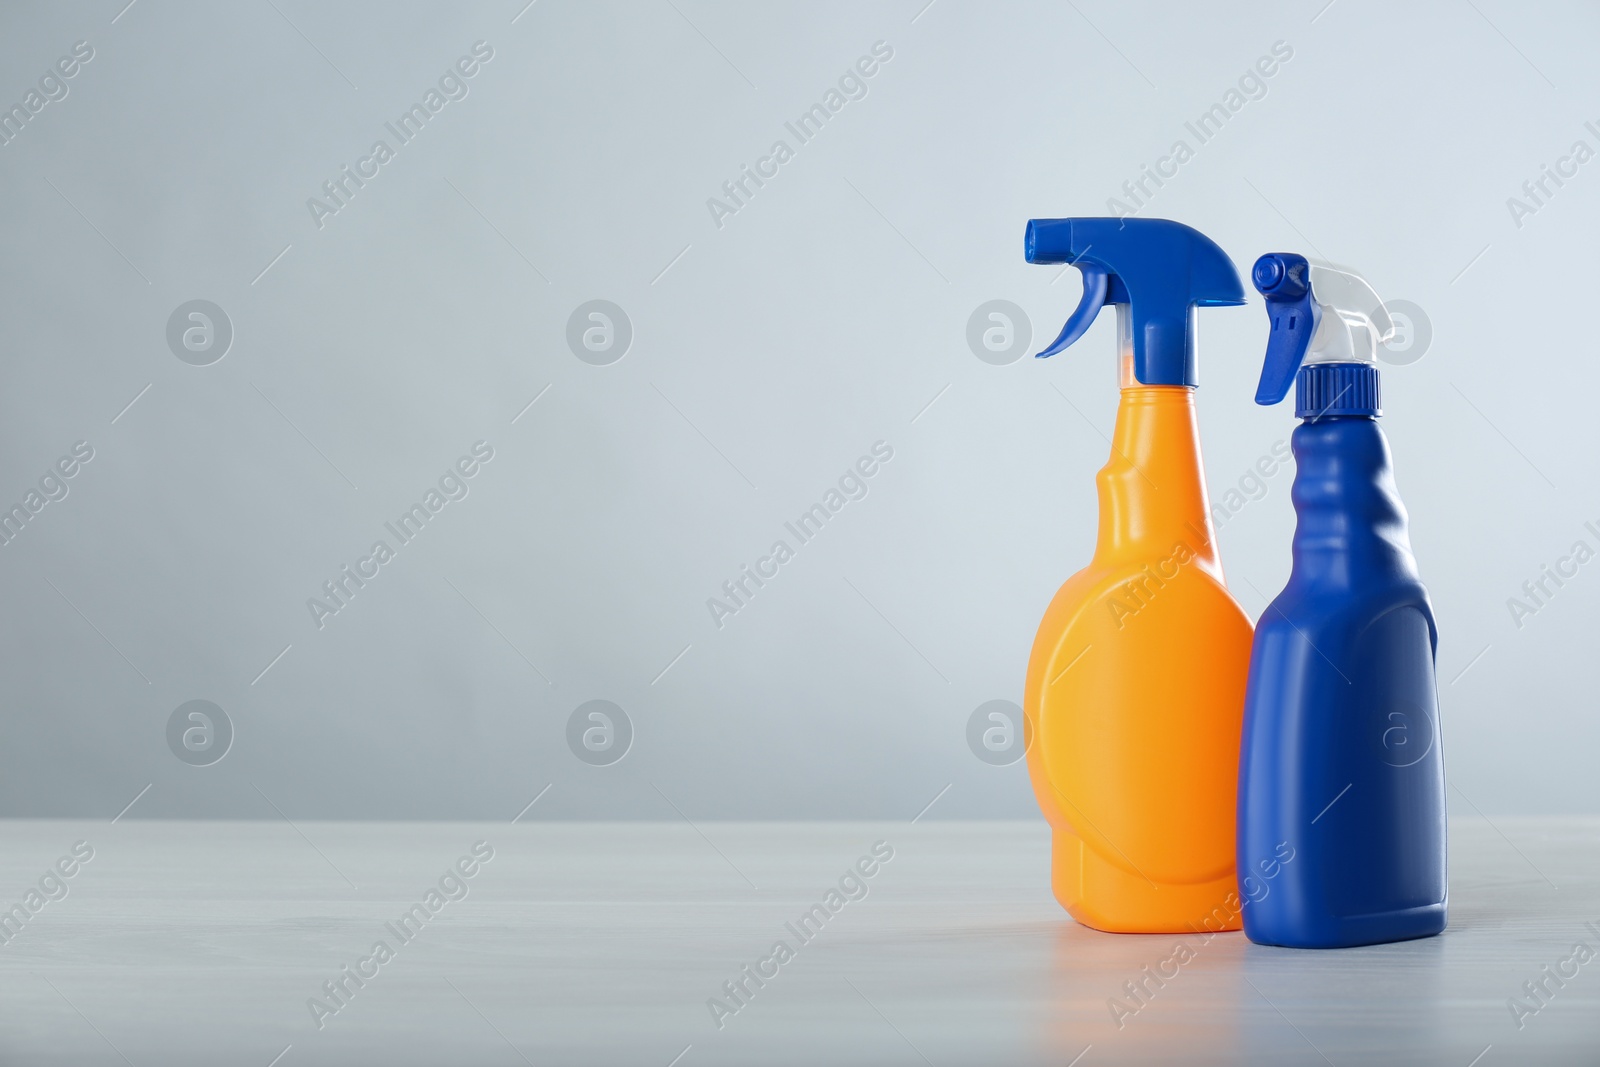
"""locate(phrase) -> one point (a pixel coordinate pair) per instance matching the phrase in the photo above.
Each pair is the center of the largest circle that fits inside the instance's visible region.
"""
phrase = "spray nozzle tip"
(1267, 272)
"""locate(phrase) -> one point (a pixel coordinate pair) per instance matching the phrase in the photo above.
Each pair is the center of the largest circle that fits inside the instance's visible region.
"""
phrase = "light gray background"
(768, 355)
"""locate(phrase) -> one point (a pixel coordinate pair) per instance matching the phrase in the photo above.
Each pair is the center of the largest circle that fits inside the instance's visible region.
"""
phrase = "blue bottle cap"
(1329, 390)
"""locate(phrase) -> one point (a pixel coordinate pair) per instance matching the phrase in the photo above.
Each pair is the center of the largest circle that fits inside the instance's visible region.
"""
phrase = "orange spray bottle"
(1135, 689)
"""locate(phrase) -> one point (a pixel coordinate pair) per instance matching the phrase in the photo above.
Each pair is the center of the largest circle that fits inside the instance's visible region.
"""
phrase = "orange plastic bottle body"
(1135, 693)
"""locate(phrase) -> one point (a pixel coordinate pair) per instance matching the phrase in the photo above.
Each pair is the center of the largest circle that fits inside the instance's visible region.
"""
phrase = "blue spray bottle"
(1341, 831)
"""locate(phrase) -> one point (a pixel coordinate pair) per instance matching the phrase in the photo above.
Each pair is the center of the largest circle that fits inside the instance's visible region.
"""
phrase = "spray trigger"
(1100, 287)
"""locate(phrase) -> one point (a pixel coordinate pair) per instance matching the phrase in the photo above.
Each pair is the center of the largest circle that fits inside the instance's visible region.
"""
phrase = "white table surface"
(201, 942)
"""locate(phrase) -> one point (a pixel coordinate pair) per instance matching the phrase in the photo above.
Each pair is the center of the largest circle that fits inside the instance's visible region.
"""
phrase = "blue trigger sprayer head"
(1157, 269)
(1327, 324)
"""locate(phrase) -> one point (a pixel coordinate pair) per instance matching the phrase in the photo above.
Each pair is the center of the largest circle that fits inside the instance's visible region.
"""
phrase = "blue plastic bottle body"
(1341, 768)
